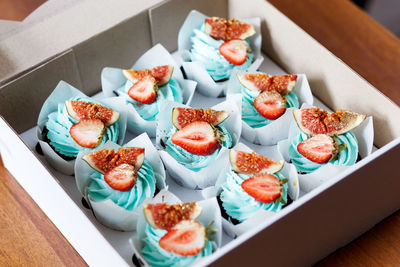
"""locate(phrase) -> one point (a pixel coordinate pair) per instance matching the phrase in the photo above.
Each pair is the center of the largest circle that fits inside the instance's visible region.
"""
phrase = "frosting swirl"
(170, 91)
(144, 187)
(249, 113)
(192, 161)
(205, 50)
(157, 256)
(346, 157)
(59, 124)
(240, 205)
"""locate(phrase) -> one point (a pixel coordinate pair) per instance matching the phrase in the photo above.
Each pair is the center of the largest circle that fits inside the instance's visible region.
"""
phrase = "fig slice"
(313, 121)
(222, 29)
(252, 163)
(162, 74)
(136, 75)
(164, 216)
(283, 84)
(104, 160)
(184, 116)
(81, 110)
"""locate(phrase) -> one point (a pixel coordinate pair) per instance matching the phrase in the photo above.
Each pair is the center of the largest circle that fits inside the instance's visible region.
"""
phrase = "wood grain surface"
(18, 9)
(28, 237)
(353, 36)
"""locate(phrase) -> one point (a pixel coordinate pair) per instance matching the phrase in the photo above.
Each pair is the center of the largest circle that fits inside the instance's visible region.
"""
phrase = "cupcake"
(322, 143)
(252, 188)
(165, 222)
(153, 79)
(70, 122)
(116, 180)
(212, 48)
(267, 103)
(195, 141)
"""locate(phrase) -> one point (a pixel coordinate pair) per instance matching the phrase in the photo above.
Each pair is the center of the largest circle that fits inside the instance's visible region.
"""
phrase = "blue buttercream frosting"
(249, 113)
(205, 50)
(240, 205)
(59, 124)
(143, 188)
(157, 256)
(171, 91)
(191, 161)
(346, 157)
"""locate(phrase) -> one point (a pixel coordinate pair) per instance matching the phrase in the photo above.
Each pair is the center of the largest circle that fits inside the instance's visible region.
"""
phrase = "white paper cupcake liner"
(107, 212)
(208, 175)
(288, 171)
(196, 70)
(113, 79)
(61, 93)
(364, 134)
(210, 213)
(279, 129)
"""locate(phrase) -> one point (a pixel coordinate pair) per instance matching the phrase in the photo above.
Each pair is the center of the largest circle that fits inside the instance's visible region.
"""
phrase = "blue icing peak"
(347, 157)
(249, 113)
(240, 205)
(157, 256)
(171, 91)
(130, 200)
(59, 124)
(191, 161)
(205, 50)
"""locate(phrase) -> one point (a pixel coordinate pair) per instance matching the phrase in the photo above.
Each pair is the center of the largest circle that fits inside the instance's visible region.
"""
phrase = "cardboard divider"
(119, 46)
(332, 81)
(63, 31)
(22, 99)
(175, 12)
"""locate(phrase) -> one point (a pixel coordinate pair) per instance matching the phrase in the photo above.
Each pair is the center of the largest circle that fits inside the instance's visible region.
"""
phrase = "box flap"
(119, 46)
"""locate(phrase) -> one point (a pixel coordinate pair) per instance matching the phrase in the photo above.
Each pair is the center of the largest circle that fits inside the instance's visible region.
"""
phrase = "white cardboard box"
(115, 34)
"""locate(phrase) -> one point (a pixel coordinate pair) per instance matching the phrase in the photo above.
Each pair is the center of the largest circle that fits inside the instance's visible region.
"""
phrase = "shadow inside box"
(7, 68)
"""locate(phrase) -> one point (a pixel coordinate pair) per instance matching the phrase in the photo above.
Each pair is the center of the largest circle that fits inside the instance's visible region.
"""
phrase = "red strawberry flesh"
(235, 51)
(122, 177)
(270, 104)
(198, 138)
(265, 188)
(187, 238)
(144, 91)
(319, 148)
(88, 133)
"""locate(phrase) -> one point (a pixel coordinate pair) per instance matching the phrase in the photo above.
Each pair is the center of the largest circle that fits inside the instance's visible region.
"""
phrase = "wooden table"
(28, 237)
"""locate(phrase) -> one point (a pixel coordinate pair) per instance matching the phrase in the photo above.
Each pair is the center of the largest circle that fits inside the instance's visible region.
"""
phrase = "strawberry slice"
(265, 188)
(198, 138)
(319, 148)
(88, 133)
(270, 104)
(186, 238)
(122, 177)
(235, 51)
(145, 90)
